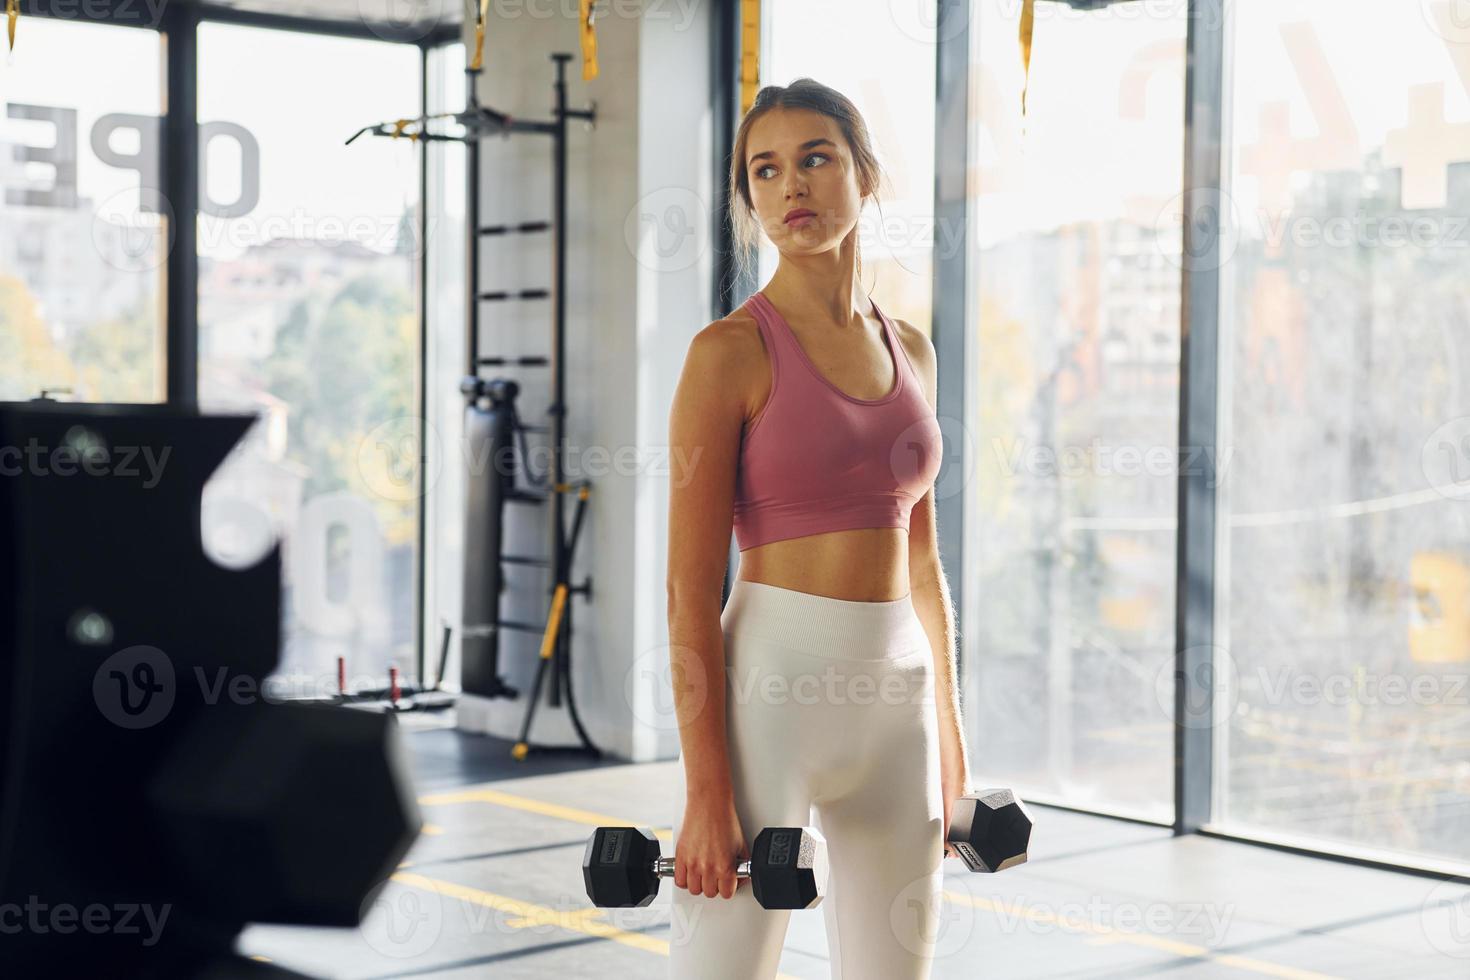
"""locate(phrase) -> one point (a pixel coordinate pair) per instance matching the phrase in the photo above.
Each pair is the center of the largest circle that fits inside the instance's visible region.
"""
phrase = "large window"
(444, 320)
(83, 229)
(1345, 612)
(895, 94)
(1075, 284)
(308, 259)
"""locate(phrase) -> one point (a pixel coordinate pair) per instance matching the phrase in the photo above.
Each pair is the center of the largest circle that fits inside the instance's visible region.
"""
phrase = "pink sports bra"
(816, 459)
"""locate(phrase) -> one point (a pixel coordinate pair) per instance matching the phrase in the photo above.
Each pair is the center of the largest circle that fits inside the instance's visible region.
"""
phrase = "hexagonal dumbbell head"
(788, 867)
(618, 867)
(287, 812)
(990, 829)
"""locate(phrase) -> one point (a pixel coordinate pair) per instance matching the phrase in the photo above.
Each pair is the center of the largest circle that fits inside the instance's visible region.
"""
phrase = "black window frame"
(179, 182)
(1204, 128)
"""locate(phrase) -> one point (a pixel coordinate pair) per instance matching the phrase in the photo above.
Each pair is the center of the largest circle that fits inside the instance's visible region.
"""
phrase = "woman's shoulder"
(733, 349)
(739, 324)
(735, 339)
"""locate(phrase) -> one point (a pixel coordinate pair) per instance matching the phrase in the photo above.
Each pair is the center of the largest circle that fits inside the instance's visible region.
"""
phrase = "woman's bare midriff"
(867, 564)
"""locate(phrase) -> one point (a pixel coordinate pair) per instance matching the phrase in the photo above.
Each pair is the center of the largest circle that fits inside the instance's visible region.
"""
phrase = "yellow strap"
(553, 622)
(12, 14)
(478, 61)
(750, 52)
(1028, 24)
(589, 41)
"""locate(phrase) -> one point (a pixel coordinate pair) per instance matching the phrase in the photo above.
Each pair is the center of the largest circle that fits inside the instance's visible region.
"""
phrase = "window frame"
(1205, 131)
(179, 180)
(1198, 574)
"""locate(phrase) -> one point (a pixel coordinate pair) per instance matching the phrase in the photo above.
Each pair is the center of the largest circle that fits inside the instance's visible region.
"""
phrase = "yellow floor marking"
(536, 914)
(585, 921)
(1106, 935)
(499, 798)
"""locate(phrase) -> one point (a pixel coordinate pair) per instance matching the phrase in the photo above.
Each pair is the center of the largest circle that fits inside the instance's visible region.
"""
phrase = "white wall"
(639, 274)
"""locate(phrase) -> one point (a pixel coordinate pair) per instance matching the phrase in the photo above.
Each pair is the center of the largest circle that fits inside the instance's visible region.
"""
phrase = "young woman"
(806, 421)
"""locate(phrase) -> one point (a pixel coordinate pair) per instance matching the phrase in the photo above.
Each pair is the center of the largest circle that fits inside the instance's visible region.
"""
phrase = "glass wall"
(308, 317)
(446, 463)
(85, 231)
(1344, 616)
(1074, 278)
(895, 94)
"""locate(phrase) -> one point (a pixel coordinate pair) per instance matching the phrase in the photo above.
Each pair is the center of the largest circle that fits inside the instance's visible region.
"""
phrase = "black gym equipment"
(293, 803)
(489, 434)
(991, 830)
(143, 772)
(621, 867)
(492, 425)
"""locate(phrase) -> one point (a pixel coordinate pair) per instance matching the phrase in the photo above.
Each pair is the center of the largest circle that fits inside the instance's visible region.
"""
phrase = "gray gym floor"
(494, 887)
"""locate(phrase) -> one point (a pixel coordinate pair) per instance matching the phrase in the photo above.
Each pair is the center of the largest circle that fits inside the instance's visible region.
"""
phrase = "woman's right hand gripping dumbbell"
(710, 847)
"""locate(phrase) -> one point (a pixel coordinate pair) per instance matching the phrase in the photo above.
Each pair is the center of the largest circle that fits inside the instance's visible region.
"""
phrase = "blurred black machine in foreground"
(151, 802)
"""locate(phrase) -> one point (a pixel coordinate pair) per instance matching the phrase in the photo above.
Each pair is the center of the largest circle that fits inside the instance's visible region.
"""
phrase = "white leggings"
(830, 706)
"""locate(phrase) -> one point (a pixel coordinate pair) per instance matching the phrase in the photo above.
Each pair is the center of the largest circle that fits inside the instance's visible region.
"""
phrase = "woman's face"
(799, 159)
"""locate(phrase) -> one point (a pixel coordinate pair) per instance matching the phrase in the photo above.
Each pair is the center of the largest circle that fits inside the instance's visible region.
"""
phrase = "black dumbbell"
(787, 867)
(990, 830)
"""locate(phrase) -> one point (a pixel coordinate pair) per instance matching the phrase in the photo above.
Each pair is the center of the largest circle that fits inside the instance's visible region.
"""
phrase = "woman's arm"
(932, 604)
(930, 590)
(705, 426)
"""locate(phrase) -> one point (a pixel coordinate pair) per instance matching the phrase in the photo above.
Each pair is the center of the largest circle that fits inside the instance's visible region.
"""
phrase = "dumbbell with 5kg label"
(787, 868)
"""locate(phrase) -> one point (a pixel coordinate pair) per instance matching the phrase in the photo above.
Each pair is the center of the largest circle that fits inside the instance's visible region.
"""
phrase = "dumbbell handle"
(664, 868)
